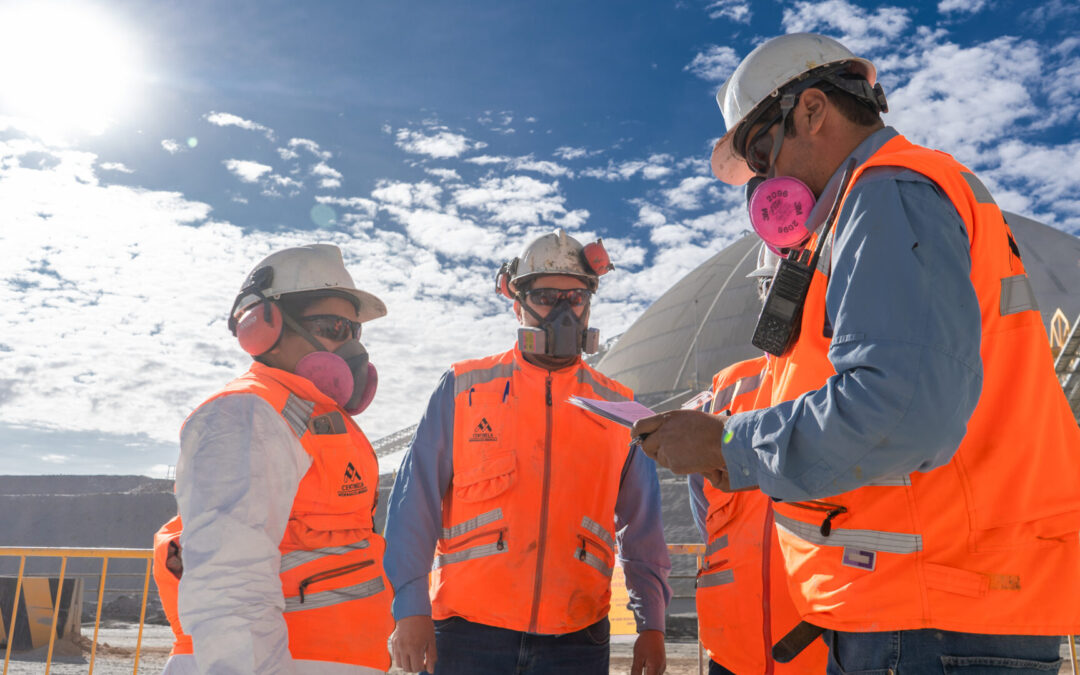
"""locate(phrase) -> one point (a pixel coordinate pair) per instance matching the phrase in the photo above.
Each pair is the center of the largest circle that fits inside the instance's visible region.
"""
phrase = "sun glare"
(64, 67)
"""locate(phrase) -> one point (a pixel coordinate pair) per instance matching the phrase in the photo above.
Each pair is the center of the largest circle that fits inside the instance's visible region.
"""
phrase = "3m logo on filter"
(483, 432)
(353, 483)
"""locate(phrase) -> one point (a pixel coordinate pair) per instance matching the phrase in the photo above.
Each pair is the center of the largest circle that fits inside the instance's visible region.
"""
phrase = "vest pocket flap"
(954, 580)
(491, 477)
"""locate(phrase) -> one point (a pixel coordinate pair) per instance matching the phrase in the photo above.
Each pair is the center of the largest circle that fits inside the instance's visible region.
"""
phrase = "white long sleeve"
(238, 473)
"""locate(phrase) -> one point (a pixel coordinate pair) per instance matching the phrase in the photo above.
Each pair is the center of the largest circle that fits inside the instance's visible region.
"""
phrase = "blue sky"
(150, 153)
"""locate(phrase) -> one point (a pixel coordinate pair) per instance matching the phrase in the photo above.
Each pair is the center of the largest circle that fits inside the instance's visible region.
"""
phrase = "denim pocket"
(995, 665)
(599, 633)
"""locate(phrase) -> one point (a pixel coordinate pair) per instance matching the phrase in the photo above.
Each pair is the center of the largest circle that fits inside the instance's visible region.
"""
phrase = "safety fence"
(32, 625)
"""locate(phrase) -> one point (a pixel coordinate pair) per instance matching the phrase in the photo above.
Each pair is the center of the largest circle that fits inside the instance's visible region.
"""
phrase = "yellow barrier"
(64, 553)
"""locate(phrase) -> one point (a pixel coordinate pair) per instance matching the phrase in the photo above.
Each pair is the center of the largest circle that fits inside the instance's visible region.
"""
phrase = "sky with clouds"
(151, 153)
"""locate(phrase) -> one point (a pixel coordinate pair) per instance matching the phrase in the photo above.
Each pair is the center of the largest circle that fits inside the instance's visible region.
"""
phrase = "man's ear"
(814, 110)
(519, 312)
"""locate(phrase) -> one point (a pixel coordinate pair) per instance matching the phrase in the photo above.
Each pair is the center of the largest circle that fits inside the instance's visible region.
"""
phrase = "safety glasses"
(758, 150)
(332, 327)
(548, 297)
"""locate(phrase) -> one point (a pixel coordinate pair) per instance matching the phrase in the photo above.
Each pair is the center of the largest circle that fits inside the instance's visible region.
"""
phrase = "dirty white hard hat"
(553, 253)
(761, 76)
(315, 267)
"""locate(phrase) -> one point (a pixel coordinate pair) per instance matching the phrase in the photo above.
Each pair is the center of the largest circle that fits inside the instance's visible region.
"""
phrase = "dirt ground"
(116, 654)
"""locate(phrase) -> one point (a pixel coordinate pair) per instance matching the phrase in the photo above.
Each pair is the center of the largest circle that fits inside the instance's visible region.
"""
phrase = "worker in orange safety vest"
(277, 567)
(743, 602)
(919, 442)
(520, 503)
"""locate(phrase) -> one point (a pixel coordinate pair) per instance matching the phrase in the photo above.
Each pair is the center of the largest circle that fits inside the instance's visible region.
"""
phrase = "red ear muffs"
(259, 328)
(596, 256)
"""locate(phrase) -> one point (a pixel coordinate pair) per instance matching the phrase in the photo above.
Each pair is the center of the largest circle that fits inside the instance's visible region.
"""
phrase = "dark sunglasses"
(547, 297)
(758, 149)
(332, 327)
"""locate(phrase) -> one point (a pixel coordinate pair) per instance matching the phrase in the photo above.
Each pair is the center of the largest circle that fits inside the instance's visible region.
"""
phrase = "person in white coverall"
(279, 566)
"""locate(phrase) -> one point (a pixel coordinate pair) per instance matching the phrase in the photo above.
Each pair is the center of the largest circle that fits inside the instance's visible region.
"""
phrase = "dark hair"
(858, 111)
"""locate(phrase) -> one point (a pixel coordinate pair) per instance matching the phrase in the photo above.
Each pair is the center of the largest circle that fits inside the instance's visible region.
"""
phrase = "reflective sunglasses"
(547, 297)
(332, 327)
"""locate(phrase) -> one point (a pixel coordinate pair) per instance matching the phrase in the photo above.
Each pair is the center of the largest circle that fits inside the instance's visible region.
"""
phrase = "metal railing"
(63, 554)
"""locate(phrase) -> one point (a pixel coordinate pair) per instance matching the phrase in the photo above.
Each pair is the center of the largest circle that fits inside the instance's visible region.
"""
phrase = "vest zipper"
(583, 550)
(498, 544)
(545, 492)
(832, 511)
(330, 574)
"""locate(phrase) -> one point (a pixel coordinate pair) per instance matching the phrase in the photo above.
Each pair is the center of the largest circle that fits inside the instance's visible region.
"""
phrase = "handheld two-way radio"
(780, 320)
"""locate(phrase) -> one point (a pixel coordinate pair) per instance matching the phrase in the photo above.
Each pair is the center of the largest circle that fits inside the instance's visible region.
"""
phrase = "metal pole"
(56, 612)
(14, 613)
(1072, 653)
(97, 616)
(142, 614)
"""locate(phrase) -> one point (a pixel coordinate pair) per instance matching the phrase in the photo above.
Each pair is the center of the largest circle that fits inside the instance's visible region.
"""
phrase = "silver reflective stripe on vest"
(602, 390)
(716, 546)
(297, 412)
(898, 481)
(335, 596)
(594, 562)
(864, 540)
(1016, 295)
(723, 398)
(597, 529)
(466, 381)
(471, 524)
(470, 554)
(982, 195)
(715, 579)
(750, 383)
(825, 261)
(298, 558)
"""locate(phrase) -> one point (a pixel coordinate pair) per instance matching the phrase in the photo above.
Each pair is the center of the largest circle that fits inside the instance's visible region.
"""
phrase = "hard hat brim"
(726, 165)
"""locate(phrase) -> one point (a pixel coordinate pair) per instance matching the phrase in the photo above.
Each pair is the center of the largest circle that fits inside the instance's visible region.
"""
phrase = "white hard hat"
(555, 253)
(315, 267)
(766, 263)
(761, 75)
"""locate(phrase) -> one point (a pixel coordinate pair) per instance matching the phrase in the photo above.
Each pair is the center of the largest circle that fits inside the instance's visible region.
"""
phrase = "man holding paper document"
(917, 434)
(519, 503)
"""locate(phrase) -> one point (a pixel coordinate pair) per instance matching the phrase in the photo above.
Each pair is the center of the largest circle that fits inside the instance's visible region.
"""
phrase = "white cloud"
(307, 145)
(116, 166)
(687, 195)
(246, 170)
(514, 200)
(329, 177)
(654, 168)
(484, 160)
(224, 119)
(961, 6)
(736, 10)
(444, 174)
(569, 153)
(715, 64)
(170, 146)
(366, 207)
(441, 144)
(288, 153)
(861, 30)
(408, 195)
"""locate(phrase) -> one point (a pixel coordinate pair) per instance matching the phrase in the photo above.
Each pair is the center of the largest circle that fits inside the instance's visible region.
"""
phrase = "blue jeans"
(467, 648)
(919, 652)
(717, 669)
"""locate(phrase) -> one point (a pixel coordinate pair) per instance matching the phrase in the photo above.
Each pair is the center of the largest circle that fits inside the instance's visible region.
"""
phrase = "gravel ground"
(116, 654)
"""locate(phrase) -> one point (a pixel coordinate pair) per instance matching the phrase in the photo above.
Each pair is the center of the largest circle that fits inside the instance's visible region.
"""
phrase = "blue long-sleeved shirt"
(905, 346)
(415, 510)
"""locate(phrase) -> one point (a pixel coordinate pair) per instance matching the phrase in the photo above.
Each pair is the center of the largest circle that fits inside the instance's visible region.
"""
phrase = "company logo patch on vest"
(353, 483)
(859, 559)
(483, 433)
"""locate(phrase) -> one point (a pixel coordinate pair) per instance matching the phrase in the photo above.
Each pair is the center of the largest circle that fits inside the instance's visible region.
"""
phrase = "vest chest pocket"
(485, 461)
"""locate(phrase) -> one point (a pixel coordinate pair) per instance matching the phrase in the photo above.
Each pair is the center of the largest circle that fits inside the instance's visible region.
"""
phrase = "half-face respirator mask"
(562, 333)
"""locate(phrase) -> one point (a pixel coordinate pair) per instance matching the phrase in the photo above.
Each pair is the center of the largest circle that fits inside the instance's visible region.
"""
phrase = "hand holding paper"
(685, 441)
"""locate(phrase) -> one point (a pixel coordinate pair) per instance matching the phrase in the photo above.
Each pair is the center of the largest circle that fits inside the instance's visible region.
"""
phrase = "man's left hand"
(650, 655)
(685, 441)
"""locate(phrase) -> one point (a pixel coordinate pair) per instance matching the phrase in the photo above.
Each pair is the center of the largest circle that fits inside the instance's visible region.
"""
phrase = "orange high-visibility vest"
(743, 602)
(169, 584)
(987, 543)
(528, 535)
(337, 597)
